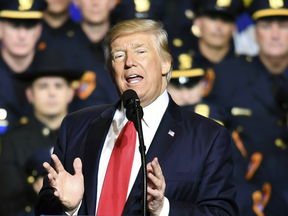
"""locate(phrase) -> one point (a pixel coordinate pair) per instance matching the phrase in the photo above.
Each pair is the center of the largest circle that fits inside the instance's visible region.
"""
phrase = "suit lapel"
(96, 134)
(160, 147)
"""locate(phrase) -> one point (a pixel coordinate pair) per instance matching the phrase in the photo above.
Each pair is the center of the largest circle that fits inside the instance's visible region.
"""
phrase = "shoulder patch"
(87, 84)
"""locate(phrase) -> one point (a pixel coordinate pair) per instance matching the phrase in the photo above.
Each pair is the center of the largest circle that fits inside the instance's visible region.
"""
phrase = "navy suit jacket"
(196, 162)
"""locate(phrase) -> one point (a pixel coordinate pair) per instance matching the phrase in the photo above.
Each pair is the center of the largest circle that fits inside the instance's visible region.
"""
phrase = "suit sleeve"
(47, 203)
(217, 191)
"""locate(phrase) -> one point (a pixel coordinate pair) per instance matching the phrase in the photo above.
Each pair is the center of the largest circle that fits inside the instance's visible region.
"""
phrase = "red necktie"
(114, 190)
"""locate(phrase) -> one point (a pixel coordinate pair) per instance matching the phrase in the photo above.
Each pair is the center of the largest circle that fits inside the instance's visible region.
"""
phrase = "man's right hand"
(68, 188)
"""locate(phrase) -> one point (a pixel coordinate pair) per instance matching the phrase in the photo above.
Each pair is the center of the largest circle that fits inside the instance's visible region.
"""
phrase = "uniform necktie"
(115, 186)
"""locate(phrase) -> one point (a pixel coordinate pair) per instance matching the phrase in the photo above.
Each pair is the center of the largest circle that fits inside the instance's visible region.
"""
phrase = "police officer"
(49, 92)
(84, 50)
(20, 29)
(56, 21)
(260, 114)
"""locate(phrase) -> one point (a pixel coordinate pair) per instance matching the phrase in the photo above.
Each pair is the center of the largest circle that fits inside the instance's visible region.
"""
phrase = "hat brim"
(68, 75)
(21, 14)
(270, 12)
(198, 72)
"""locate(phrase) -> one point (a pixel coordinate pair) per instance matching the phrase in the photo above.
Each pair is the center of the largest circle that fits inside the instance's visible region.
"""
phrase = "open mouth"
(134, 78)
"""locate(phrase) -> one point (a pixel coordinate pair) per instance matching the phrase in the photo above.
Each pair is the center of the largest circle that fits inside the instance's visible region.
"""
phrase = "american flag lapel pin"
(171, 133)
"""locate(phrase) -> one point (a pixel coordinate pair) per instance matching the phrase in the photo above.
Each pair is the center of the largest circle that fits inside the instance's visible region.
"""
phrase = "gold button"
(279, 143)
(24, 120)
(75, 84)
(30, 179)
(280, 123)
(189, 14)
(27, 208)
(45, 131)
(240, 129)
(177, 42)
(249, 59)
(34, 173)
(70, 33)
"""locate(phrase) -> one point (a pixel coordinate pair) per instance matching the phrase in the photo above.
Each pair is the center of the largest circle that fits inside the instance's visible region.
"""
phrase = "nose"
(52, 90)
(275, 33)
(130, 60)
(22, 32)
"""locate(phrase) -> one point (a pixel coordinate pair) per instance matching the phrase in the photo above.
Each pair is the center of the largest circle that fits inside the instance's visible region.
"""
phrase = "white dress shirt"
(153, 114)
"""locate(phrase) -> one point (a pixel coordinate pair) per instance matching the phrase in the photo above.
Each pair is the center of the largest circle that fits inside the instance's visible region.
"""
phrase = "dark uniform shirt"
(12, 96)
(95, 87)
(16, 147)
(260, 133)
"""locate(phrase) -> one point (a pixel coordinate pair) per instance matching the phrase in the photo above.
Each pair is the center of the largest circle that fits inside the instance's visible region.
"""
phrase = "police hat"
(188, 71)
(34, 165)
(142, 9)
(22, 9)
(228, 9)
(49, 63)
(267, 8)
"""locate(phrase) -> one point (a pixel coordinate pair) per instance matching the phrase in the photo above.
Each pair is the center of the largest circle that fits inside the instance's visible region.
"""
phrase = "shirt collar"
(153, 113)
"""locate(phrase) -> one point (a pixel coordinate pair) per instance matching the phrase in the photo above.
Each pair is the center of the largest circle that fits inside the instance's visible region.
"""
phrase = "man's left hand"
(155, 188)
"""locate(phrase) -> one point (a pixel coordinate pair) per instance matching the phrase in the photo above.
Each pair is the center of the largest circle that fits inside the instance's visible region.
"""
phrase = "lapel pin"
(171, 133)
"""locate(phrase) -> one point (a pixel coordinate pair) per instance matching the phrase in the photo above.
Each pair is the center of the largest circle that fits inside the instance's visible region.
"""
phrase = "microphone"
(132, 104)
(134, 113)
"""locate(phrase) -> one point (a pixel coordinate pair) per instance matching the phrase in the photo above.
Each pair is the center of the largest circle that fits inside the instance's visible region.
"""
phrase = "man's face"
(272, 37)
(19, 41)
(95, 11)
(136, 65)
(58, 6)
(215, 32)
(50, 96)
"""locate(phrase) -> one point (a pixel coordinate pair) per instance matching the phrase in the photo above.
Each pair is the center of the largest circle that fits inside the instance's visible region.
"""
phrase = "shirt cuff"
(75, 213)
(166, 208)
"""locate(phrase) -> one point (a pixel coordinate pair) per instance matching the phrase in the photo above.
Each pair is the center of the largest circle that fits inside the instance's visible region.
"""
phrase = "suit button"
(27, 208)
(240, 129)
(45, 131)
(279, 143)
(30, 179)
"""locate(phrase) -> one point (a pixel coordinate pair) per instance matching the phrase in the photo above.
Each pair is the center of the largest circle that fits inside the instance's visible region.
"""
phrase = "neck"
(213, 54)
(275, 65)
(95, 33)
(55, 20)
(17, 63)
(53, 122)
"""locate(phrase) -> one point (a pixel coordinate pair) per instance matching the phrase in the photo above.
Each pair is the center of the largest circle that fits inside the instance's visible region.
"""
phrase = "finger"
(77, 164)
(57, 163)
(154, 193)
(149, 168)
(50, 169)
(154, 182)
(156, 168)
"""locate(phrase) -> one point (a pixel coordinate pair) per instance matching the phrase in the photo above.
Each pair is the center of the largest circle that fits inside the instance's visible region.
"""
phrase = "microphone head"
(128, 95)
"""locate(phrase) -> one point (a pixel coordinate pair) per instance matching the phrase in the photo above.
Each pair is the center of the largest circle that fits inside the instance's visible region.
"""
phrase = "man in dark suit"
(190, 168)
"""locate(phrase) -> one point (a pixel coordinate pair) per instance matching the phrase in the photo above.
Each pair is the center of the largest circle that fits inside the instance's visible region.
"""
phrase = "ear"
(166, 65)
(112, 4)
(39, 31)
(29, 95)
(1, 31)
(112, 75)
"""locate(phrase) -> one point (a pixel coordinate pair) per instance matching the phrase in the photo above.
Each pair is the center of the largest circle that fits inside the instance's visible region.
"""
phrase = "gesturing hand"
(156, 188)
(68, 188)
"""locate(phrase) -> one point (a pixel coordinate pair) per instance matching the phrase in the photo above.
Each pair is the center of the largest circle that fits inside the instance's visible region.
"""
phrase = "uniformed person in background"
(83, 49)
(35, 172)
(260, 115)
(56, 21)
(49, 92)
(20, 29)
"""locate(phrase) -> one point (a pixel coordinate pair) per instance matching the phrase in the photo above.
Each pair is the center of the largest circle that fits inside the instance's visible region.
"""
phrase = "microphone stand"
(142, 149)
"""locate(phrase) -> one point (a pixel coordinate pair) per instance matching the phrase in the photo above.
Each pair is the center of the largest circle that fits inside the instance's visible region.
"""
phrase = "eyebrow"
(134, 46)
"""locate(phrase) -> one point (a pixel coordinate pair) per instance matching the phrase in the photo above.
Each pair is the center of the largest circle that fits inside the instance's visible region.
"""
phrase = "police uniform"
(16, 147)
(259, 125)
(19, 143)
(226, 10)
(13, 102)
(95, 87)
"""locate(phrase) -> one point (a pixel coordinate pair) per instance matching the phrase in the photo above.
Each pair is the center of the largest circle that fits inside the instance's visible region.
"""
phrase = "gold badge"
(209, 79)
(185, 61)
(25, 5)
(223, 3)
(142, 5)
(276, 3)
(247, 3)
(87, 84)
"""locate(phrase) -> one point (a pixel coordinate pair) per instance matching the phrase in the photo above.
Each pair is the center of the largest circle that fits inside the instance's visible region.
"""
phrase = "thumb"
(77, 166)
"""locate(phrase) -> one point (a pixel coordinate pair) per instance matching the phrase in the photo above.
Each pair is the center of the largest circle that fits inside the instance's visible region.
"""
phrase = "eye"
(141, 51)
(118, 55)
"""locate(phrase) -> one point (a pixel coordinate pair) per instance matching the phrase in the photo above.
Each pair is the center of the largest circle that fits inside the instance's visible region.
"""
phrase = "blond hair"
(136, 26)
